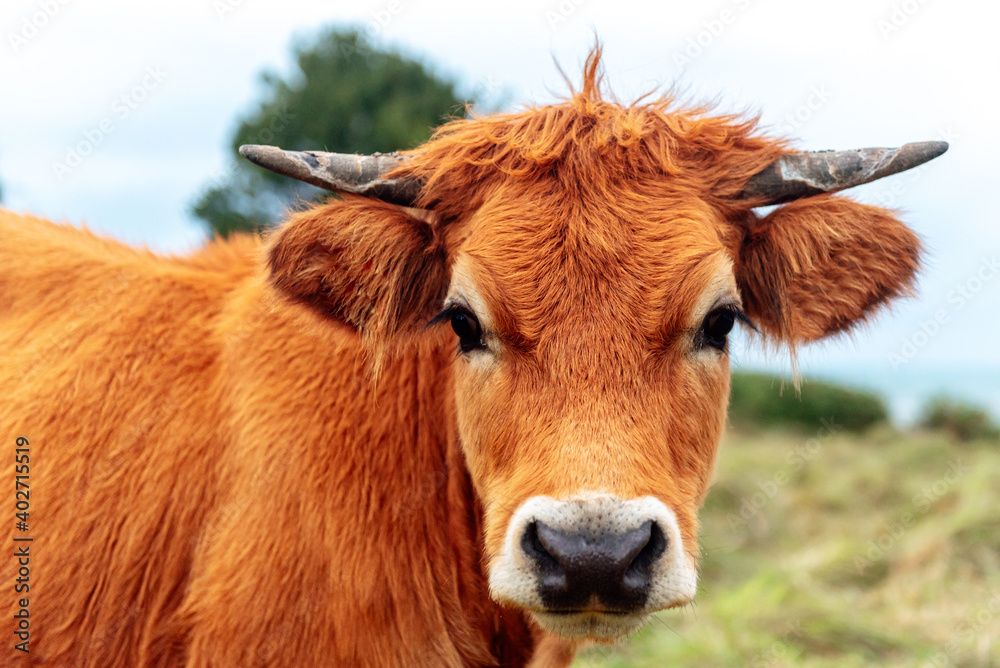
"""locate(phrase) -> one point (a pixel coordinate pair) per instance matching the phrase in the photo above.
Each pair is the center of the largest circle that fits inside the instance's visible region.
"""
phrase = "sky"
(118, 113)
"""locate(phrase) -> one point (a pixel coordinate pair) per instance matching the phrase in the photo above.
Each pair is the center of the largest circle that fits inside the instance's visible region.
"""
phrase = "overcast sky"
(152, 91)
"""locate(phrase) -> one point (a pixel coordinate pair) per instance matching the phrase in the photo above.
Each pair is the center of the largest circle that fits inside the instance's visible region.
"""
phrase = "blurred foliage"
(347, 97)
(763, 401)
(962, 421)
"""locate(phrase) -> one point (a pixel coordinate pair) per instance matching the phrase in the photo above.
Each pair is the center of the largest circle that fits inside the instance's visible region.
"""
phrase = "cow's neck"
(411, 474)
(378, 491)
(505, 632)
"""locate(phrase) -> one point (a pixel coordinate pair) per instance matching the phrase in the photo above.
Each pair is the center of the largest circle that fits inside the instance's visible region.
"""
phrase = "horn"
(811, 173)
(356, 174)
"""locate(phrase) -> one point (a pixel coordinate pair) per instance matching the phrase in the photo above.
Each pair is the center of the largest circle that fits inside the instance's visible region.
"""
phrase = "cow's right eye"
(466, 327)
(465, 324)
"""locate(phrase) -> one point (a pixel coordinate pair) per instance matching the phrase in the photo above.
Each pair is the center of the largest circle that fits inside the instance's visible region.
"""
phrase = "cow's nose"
(579, 569)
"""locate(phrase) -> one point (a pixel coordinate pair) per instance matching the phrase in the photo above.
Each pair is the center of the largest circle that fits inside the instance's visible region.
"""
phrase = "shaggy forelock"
(590, 140)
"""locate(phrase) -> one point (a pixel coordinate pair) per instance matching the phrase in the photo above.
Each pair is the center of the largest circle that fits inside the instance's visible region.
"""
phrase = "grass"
(839, 550)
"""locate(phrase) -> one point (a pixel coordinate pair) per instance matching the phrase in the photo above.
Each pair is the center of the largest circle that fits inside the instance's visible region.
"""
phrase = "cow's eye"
(717, 326)
(465, 324)
(470, 336)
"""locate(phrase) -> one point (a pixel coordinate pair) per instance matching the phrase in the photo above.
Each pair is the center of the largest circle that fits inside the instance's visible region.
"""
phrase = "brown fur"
(218, 479)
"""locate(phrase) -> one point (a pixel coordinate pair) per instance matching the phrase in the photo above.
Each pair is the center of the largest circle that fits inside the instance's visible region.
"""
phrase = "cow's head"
(591, 259)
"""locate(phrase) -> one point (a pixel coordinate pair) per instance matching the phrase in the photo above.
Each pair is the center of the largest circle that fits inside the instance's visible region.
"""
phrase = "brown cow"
(279, 454)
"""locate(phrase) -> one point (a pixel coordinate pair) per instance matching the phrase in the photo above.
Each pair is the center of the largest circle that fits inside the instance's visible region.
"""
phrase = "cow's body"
(276, 454)
(181, 495)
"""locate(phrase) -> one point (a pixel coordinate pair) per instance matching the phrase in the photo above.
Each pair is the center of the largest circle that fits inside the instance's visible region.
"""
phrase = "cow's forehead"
(645, 265)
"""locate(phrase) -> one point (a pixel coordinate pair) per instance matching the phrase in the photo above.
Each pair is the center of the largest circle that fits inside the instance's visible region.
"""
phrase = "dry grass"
(881, 550)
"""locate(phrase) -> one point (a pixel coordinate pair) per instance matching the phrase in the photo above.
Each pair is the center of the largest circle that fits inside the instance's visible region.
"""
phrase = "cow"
(463, 414)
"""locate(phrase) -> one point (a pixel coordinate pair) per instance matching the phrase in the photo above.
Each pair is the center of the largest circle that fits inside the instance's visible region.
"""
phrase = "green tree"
(348, 97)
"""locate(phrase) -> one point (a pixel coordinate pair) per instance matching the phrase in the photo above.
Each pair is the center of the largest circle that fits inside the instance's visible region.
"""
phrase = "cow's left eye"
(717, 325)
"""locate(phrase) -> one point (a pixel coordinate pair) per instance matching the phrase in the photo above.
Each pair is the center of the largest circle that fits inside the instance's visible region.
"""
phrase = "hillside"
(842, 550)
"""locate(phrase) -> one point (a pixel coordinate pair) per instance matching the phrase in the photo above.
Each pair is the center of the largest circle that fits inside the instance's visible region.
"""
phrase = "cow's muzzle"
(606, 570)
(594, 565)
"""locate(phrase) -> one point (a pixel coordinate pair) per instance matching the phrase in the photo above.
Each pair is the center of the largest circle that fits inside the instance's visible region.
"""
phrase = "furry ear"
(816, 266)
(362, 262)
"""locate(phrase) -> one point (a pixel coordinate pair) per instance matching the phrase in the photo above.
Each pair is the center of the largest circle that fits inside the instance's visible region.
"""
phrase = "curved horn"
(357, 174)
(812, 173)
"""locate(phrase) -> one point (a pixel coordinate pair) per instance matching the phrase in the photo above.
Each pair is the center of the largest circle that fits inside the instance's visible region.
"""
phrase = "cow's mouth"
(590, 624)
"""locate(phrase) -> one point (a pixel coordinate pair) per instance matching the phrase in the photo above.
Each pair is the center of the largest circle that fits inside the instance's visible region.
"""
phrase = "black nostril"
(640, 570)
(534, 548)
(574, 568)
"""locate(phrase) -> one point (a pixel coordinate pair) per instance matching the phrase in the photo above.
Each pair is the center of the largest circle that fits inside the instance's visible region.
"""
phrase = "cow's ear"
(814, 267)
(362, 262)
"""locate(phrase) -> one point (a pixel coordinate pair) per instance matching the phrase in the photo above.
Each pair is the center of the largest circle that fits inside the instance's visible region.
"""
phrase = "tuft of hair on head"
(587, 140)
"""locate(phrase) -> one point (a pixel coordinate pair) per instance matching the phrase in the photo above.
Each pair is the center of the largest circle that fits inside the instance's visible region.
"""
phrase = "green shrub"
(758, 401)
(961, 420)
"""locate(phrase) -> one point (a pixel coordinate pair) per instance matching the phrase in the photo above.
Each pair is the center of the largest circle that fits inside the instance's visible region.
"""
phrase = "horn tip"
(929, 150)
(252, 152)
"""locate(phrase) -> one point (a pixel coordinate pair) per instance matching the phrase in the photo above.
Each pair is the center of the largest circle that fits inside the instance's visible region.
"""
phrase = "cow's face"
(590, 388)
(591, 292)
